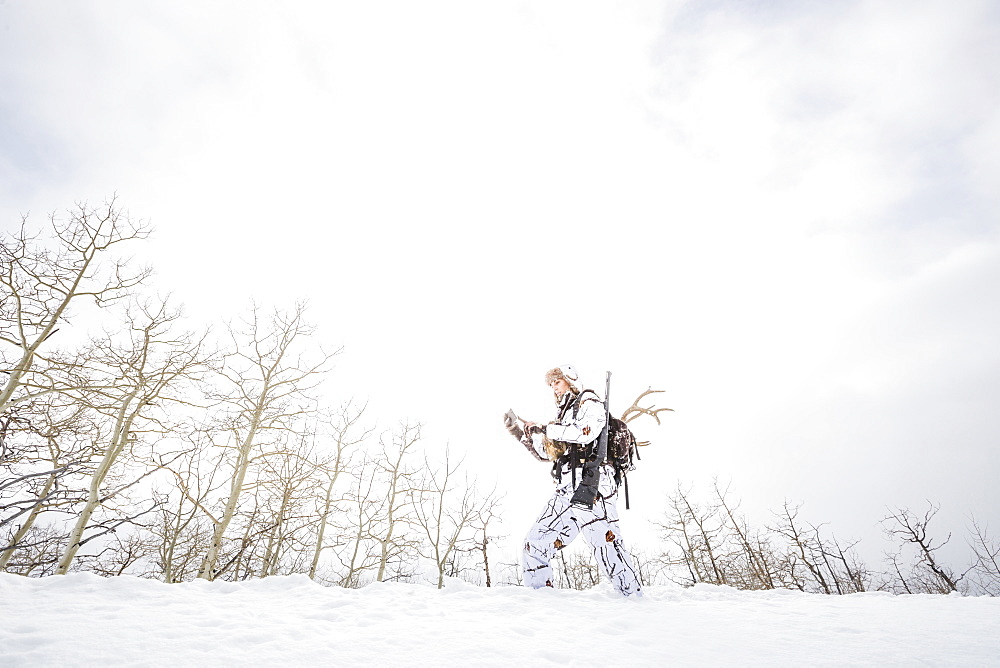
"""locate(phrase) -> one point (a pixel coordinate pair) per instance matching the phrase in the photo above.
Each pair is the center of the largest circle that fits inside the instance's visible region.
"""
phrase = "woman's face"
(559, 387)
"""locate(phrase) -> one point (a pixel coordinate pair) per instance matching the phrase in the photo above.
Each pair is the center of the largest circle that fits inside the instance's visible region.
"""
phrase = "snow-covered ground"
(82, 619)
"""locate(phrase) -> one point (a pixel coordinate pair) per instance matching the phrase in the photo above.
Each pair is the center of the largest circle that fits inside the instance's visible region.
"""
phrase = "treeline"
(709, 540)
(157, 450)
(163, 452)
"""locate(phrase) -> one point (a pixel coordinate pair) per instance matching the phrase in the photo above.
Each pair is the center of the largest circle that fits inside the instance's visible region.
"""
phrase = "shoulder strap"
(580, 399)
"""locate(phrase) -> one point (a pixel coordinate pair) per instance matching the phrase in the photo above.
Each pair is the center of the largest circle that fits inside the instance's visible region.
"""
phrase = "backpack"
(622, 451)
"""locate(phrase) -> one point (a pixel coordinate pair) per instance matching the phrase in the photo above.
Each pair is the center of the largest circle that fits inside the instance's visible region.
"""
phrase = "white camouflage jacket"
(584, 428)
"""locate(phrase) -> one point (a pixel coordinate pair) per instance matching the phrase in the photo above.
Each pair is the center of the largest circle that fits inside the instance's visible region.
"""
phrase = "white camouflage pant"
(560, 523)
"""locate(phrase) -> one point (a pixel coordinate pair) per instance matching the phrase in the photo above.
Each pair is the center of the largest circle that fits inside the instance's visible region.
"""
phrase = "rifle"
(586, 492)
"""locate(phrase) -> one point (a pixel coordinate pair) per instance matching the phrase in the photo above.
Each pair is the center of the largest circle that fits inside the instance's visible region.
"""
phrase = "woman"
(567, 442)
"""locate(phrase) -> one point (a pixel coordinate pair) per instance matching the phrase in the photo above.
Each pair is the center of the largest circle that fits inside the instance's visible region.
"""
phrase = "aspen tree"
(150, 368)
(342, 435)
(40, 284)
(270, 381)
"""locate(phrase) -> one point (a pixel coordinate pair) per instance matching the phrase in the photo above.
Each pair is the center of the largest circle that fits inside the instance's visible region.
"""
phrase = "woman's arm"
(585, 427)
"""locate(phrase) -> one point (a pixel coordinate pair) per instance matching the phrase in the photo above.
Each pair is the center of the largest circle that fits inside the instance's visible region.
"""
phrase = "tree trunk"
(486, 559)
(205, 571)
(122, 427)
(322, 527)
(29, 521)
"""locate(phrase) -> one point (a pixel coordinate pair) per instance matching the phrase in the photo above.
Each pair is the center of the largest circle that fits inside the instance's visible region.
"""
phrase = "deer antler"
(635, 410)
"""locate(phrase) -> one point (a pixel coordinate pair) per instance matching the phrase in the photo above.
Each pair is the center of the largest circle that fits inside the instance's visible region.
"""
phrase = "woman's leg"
(603, 534)
(554, 529)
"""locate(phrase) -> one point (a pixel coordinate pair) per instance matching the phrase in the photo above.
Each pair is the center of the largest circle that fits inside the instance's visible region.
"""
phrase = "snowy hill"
(82, 619)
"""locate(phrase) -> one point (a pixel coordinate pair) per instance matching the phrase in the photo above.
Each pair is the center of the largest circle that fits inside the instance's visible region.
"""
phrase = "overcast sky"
(783, 214)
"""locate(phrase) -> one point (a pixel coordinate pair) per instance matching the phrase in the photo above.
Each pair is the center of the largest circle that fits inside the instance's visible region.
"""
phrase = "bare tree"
(42, 279)
(986, 569)
(182, 536)
(182, 527)
(816, 563)
(289, 485)
(150, 368)
(804, 551)
(926, 575)
(41, 284)
(715, 544)
(699, 535)
(270, 383)
(448, 511)
(342, 434)
(401, 484)
(489, 515)
(55, 438)
(376, 537)
(850, 573)
(755, 564)
(38, 551)
(355, 549)
(576, 569)
(126, 552)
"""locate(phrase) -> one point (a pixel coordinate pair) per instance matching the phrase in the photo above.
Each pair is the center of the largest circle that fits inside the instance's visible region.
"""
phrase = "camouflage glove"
(510, 423)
